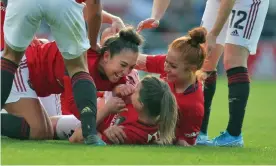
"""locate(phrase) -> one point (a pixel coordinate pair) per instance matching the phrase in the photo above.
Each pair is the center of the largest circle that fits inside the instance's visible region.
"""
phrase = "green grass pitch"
(258, 131)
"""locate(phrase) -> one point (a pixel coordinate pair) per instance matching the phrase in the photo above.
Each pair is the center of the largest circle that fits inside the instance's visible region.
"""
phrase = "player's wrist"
(214, 32)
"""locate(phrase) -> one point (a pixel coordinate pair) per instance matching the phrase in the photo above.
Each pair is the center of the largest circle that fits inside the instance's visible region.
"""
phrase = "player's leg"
(69, 31)
(245, 27)
(209, 67)
(27, 118)
(21, 22)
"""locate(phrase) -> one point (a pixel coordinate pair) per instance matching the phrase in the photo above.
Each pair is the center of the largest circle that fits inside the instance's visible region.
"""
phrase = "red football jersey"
(136, 131)
(46, 68)
(191, 112)
(190, 103)
(68, 105)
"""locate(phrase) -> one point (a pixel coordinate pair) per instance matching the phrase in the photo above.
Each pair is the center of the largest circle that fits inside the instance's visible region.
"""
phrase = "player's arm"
(116, 22)
(225, 9)
(110, 18)
(188, 131)
(94, 20)
(151, 63)
(141, 63)
(112, 106)
(159, 8)
(102, 113)
(121, 135)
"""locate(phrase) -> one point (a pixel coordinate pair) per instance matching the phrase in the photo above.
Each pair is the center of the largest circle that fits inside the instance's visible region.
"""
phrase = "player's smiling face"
(119, 65)
(175, 67)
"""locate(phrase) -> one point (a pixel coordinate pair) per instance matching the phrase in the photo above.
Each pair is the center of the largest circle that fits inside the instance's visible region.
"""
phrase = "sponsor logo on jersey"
(153, 137)
(191, 135)
(235, 33)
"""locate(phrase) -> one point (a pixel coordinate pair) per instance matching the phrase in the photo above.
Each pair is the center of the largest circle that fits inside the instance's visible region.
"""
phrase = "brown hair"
(127, 38)
(159, 101)
(189, 47)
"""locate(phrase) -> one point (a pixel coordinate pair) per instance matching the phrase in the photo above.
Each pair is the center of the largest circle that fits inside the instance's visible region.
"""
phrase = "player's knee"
(235, 56)
(50, 131)
(13, 55)
(39, 132)
(76, 65)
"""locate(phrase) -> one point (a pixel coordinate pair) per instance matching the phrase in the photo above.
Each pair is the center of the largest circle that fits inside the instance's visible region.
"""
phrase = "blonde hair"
(159, 101)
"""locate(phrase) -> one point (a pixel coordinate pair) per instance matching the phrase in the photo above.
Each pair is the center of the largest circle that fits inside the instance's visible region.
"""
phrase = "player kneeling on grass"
(65, 124)
(151, 117)
(179, 68)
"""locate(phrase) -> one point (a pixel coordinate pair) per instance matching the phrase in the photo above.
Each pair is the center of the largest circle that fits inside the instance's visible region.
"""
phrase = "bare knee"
(31, 110)
(76, 65)
(12, 55)
(38, 132)
(235, 56)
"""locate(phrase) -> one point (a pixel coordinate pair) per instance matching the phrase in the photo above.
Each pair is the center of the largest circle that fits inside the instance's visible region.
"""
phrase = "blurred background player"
(178, 67)
(236, 32)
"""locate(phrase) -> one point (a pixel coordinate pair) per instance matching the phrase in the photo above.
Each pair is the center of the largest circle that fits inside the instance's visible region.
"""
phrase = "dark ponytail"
(127, 38)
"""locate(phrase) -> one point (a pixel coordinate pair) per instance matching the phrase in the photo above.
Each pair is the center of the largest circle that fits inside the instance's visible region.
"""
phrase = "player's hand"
(77, 136)
(211, 42)
(182, 143)
(115, 105)
(124, 90)
(117, 24)
(149, 23)
(115, 134)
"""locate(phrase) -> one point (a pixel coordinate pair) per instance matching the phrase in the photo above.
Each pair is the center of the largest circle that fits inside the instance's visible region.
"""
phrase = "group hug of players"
(75, 88)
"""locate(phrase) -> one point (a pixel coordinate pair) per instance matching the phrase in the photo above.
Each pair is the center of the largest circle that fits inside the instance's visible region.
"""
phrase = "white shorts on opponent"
(51, 104)
(65, 18)
(244, 25)
(22, 89)
(20, 86)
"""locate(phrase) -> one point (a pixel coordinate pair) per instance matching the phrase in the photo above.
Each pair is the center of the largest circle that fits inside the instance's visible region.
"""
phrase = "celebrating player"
(41, 73)
(150, 118)
(23, 18)
(185, 57)
(236, 31)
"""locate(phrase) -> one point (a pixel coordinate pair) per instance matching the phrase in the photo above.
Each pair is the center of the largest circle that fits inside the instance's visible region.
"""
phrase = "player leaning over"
(236, 31)
(70, 34)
